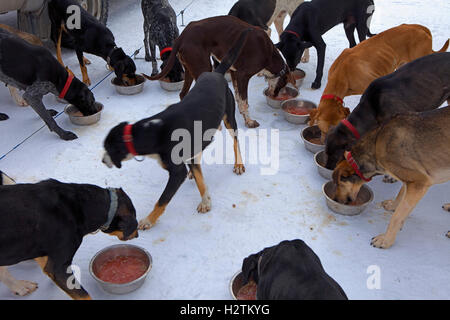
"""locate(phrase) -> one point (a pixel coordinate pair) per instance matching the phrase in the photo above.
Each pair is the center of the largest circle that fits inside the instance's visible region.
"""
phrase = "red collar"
(164, 51)
(355, 167)
(293, 32)
(128, 139)
(66, 86)
(355, 132)
(332, 97)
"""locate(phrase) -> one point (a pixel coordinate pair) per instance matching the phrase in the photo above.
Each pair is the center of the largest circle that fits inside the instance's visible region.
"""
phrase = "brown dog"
(356, 68)
(31, 38)
(412, 148)
(215, 36)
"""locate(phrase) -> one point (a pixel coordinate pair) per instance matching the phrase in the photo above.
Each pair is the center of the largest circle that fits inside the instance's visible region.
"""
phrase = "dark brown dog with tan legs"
(47, 221)
(354, 70)
(177, 136)
(215, 36)
(412, 148)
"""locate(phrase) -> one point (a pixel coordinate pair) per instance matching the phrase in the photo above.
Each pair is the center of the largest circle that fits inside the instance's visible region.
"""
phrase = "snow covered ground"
(195, 255)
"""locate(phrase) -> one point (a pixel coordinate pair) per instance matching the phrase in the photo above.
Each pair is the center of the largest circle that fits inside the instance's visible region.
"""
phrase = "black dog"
(257, 13)
(312, 19)
(208, 103)
(160, 28)
(5, 180)
(290, 271)
(47, 222)
(92, 37)
(420, 85)
(35, 70)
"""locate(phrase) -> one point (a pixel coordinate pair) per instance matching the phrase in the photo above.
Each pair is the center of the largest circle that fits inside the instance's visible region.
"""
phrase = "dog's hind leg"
(349, 28)
(188, 79)
(230, 123)
(146, 41)
(413, 193)
(153, 57)
(177, 175)
(18, 287)
(240, 85)
(83, 68)
(205, 204)
(391, 205)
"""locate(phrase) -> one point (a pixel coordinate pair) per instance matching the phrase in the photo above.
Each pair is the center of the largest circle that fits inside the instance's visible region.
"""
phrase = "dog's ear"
(312, 116)
(250, 269)
(336, 176)
(346, 112)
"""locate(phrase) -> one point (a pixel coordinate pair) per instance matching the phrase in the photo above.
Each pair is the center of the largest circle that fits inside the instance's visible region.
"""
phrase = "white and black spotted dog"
(5, 180)
(160, 29)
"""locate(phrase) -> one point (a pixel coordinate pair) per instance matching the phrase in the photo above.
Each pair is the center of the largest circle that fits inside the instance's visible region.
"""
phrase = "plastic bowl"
(274, 103)
(129, 90)
(120, 250)
(80, 120)
(312, 132)
(365, 197)
(295, 118)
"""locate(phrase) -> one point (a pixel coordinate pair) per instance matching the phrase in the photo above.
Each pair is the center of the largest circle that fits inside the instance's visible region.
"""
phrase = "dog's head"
(250, 268)
(124, 67)
(81, 97)
(329, 113)
(176, 74)
(124, 224)
(337, 142)
(347, 183)
(292, 49)
(278, 82)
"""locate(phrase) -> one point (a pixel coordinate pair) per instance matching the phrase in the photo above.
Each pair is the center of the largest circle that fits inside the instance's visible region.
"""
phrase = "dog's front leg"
(391, 205)
(205, 204)
(17, 97)
(153, 57)
(413, 193)
(146, 41)
(18, 287)
(83, 68)
(35, 101)
(321, 48)
(177, 175)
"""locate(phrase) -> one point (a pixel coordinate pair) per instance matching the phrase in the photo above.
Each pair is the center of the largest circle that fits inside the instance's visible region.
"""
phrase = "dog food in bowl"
(311, 139)
(297, 111)
(363, 199)
(76, 117)
(299, 76)
(121, 269)
(285, 94)
(247, 292)
(121, 88)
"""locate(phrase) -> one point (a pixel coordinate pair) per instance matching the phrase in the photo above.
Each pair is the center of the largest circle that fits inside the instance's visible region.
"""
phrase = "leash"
(60, 113)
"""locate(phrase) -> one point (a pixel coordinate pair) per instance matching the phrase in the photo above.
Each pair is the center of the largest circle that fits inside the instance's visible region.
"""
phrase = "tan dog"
(31, 39)
(412, 148)
(356, 68)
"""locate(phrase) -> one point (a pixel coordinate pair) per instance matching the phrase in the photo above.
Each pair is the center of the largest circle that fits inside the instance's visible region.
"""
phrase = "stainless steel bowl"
(365, 197)
(113, 251)
(276, 104)
(81, 120)
(129, 90)
(320, 158)
(299, 75)
(309, 133)
(171, 86)
(236, 284)
(294, 118)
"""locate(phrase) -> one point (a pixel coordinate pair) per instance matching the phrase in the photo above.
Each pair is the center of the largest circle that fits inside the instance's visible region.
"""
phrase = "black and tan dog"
(290, 271)
(36, 71)
(314, 18)
(47, 221)
(160, 29)
(202, 110)
(412, 148)
(91, 36)
(420, 85)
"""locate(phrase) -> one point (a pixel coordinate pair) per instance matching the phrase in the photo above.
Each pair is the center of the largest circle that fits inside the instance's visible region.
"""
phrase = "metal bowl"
(294, 118)
(299, 75)
(129, 90)
(171, 86)
(274, 103)
(236, 284)
(309, 133)
(81, 120)
(113, 251)
(320, 158)
(365, 197)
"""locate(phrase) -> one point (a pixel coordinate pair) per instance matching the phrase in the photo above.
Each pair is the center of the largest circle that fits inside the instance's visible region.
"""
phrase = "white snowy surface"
(195, 255)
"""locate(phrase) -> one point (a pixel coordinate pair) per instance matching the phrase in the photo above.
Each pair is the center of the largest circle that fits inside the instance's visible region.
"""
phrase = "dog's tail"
(234, 52)
(5, 180)
(445, 47)
(170, 63)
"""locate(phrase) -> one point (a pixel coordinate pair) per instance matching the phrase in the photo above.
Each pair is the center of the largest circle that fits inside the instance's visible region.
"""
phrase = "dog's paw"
(205, 205)
(145, 224)
(23, 287)
(389, 205)
(190, 175)
(446, 207)
(52, 112)
(3, 117)
(388, 179)
(382, 241)
(448, 234)
(87, 82)
(21, 102)
(252, 124)
(316, 85)
(239, 169)
(67, 136)
(305, 59)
